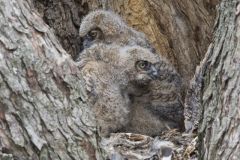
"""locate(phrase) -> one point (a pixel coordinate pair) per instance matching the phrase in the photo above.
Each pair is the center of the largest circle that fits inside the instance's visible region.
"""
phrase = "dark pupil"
(93, 34)
(143, 64)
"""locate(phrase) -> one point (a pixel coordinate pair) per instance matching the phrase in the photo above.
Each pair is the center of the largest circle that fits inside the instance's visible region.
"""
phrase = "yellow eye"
(143, 65)
(93, 33)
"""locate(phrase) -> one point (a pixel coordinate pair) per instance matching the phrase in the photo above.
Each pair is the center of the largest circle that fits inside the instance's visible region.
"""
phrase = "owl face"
(143, 72)
(139, 64)
(101, 26)
(106, 27)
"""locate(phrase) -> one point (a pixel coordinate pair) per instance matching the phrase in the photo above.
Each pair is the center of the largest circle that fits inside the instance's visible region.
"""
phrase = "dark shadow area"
(64, 17)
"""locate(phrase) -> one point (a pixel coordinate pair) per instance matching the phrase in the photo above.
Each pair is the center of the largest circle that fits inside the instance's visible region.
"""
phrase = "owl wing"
(167, 87)
(172, 109)
(165, 94)
(168, 74)
(166, 103)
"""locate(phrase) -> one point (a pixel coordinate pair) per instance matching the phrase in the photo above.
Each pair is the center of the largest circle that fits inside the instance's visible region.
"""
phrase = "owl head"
(102, 26)
(139, 64)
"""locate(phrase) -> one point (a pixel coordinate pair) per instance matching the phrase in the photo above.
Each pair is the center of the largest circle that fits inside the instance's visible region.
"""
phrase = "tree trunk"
(219, 128)
(43, 114)
(42, 110)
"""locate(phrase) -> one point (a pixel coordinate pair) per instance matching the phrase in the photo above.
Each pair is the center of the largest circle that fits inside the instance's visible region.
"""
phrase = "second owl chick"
(106, 27)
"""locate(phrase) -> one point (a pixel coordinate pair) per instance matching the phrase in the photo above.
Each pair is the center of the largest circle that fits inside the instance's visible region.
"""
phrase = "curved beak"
(153, 72)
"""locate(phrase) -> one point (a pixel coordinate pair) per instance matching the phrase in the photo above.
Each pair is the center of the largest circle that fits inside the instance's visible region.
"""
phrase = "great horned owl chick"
(120, 74)
(107, 27)
(107, 71)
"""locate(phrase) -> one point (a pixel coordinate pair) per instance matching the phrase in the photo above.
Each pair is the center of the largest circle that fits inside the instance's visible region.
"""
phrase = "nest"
(170, 145)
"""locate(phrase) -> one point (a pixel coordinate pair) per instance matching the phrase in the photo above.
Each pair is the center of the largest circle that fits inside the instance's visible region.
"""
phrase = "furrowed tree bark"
(43, 114)
(64, 17)
(219, 128)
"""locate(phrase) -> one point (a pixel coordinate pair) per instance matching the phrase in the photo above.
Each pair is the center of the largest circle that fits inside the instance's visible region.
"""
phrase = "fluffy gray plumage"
(124, 97)
(126, 90)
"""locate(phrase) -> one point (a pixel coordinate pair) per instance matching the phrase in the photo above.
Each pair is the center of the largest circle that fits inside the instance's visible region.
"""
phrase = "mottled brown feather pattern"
(122, 98)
